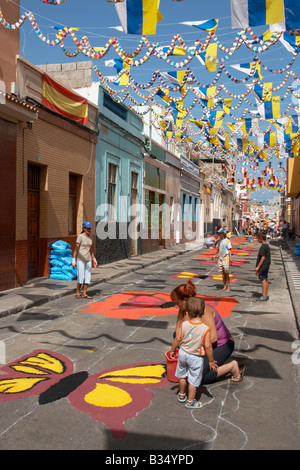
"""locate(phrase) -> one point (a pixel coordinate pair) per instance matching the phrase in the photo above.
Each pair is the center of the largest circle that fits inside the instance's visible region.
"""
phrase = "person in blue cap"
(224, 255)
(84, 256)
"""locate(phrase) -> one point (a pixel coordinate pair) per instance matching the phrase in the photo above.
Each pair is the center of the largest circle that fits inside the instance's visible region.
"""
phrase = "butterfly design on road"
(50, 376)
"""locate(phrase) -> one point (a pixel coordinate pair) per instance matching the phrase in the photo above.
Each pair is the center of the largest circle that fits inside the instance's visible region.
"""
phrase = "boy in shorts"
(194, 340)
(224, 255)
(262, 265)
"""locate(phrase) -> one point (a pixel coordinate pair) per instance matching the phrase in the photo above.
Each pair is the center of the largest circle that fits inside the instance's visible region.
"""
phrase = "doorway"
(161, 205)
(33, 220)
(134, 202)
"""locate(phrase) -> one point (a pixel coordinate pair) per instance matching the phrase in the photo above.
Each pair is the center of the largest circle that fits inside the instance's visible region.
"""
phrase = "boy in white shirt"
(194, 340)
(224, 255)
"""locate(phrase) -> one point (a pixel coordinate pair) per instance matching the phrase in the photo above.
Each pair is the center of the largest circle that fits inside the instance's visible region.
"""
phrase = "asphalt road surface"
(89, 374)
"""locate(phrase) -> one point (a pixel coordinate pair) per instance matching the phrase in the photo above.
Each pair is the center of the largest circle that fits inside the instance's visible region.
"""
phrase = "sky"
(95, 18)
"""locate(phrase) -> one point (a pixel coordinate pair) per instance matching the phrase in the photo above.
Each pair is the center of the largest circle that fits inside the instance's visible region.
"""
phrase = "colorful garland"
(254, 44)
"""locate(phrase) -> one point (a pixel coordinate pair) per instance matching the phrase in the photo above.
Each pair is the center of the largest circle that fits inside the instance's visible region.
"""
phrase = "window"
(184, 207)
(112, 188)
(171, 210)
(134, 181)
(150, 211)
(72, 204)
(196, 210)
(190, 214)
(134, 189)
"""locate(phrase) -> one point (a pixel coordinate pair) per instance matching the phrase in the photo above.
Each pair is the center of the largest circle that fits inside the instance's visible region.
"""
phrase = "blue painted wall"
(119, 143)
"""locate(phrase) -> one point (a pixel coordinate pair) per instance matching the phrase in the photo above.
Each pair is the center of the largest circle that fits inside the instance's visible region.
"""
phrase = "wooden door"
(33, 216)
(8, 159)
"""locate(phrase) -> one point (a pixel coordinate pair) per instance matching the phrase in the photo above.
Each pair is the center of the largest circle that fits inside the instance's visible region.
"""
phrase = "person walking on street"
(262, 265)
(194, 340)
(84, 256)
(272, 228)
(224, 255)
(285, 228)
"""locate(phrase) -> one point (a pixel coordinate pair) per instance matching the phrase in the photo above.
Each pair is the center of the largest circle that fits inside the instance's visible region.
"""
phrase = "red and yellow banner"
(64, 101)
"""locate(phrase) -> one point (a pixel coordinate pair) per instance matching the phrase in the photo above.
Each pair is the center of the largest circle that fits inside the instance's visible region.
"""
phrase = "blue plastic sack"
(69, 270)
(56, 269)
(61, 276)
(60, 245)
(62, 252)
(66, 260)
(56, 262)
(53, 256)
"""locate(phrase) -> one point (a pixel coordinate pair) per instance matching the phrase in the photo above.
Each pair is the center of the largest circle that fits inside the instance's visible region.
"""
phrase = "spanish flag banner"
(63, 101)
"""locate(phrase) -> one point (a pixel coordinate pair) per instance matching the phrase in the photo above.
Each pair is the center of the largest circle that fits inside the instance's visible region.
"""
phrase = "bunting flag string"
(204, 116)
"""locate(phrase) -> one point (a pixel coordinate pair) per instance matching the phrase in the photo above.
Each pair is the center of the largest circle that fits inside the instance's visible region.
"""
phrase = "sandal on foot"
(193, 404)
(78, 296)
(181, 397)
(87, 297)
(238, 378)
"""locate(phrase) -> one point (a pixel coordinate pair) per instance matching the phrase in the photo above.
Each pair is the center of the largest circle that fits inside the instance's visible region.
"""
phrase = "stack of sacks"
(61, 261)
(297, 249)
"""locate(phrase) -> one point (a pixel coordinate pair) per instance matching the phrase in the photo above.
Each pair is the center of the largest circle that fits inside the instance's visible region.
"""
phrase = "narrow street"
(71, 347)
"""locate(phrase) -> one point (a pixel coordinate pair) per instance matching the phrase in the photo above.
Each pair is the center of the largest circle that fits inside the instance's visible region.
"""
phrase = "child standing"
(194, 340)
(262, 265)
(224, 261)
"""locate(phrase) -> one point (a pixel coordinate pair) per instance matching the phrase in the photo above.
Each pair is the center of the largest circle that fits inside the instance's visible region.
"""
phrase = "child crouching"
(194, 340)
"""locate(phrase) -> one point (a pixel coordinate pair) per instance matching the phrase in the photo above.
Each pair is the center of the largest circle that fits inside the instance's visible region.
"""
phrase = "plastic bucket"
(171, 367)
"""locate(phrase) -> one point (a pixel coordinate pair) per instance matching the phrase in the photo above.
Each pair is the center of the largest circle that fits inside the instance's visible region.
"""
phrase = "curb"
(124, 270)
(295, 299)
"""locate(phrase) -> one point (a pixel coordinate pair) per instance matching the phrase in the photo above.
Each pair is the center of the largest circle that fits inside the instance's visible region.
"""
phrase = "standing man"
(224, 255)
(272, 228)
(262, 265)
(285, 228)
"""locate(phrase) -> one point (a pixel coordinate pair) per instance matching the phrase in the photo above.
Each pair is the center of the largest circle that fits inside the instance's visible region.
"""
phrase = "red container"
(171, 367)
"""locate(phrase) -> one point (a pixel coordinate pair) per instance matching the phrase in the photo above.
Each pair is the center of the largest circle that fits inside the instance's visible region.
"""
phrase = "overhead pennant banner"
(216, 118)
(209, 58)
(261, 93)
(245, 13)
(207, 96)
(247, 68)
(226, 105)
(177, 78)
(270, 138)
(281, 15)
(177, 50)
(206, 25)
(291, 17)
(270, 109)
(119, 65)
(139, 16)
(290, 42)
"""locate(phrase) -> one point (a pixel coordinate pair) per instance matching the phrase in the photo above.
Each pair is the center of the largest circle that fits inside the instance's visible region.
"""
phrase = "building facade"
(55, 178)
(118, 178)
